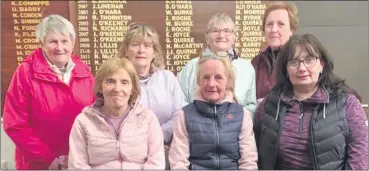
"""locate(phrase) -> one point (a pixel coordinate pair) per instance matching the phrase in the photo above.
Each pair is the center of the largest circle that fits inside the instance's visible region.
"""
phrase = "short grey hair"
(221, 18)
(55, 23)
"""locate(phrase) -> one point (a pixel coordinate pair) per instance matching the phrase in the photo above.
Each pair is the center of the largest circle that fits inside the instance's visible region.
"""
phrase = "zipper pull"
(301, 119)
(302, 114)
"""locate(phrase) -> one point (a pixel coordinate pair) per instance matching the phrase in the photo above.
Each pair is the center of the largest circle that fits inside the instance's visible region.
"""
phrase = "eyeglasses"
(215, 31)
(220, 54)
(309, 62)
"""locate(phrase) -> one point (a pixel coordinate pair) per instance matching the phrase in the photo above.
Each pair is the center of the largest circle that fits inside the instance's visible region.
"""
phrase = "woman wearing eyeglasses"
(311, 119)
(279, 23)
(214, 131)
(220, 37)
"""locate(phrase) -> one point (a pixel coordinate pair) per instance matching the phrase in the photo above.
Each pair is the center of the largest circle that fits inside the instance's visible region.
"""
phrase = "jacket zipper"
(276, 150)
(120, 129)
(301, 118)
(311, 134)
(113, 130)
(117, 136)
(217, 135)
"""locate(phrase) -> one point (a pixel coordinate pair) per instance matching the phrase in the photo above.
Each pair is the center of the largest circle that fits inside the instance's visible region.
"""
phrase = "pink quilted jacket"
(93, 145)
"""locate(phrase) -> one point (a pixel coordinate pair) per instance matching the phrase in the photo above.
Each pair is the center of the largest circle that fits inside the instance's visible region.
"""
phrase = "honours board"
(100, 27)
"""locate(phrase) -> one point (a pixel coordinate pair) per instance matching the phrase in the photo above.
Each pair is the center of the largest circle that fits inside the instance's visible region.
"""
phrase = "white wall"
(7, 150)
(342, 28)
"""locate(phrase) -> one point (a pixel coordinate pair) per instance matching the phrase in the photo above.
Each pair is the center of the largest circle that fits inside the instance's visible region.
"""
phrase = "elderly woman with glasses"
(214, 131)
(48, 90)
(221, 36)
(311, 119)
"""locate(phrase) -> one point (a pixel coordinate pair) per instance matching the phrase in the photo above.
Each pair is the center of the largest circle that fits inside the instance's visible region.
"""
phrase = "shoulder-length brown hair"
(327, 78)
(143, 32)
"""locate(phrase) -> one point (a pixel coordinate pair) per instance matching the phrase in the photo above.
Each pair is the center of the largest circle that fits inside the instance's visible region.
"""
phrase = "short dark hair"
(327, 78)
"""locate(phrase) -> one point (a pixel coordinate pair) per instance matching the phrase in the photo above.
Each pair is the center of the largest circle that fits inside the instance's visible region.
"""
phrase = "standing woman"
(280, 21)
(311, 120)
(48, 90)
(160, 90)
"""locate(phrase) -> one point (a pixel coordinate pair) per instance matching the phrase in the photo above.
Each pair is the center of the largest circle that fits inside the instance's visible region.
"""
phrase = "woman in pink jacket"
(116, 132)
(214, 132)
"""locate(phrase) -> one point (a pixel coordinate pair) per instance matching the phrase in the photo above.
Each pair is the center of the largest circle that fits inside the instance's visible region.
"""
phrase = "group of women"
(134, 114)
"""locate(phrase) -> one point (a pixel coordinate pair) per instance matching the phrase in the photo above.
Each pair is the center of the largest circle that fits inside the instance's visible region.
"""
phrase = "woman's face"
(58, 48)
(304, 69)
(213, 80)
(140, 53)
(277, 28)
(117, 89)
(221, 37)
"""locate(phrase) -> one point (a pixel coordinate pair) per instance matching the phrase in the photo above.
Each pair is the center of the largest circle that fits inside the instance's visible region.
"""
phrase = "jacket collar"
(211, 109)
(42, 68)
(199, 97)
(321, 96)
(95, 108)
(68, 68)
(270, 57)
(272, 53)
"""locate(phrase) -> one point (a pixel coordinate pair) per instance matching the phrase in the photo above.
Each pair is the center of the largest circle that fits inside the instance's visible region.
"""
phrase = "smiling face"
(117, 89)
(213, 80)
(277, 28)
(58, 48)
(304, 73)
(221, 37)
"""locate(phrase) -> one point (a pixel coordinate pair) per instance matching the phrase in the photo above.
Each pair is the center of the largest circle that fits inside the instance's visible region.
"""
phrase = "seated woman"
(214, 131)
(311, 119)
(116, 132)
(220, 35)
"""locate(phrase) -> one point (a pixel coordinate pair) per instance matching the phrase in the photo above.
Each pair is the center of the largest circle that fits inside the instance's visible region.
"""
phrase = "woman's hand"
(63, 162)
(59, 163)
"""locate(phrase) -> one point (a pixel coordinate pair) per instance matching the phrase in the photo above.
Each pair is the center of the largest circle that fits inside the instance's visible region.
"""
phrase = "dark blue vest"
(327, 136)
(213, 132)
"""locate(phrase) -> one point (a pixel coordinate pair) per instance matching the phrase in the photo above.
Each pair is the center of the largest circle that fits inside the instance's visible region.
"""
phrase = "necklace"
(144, 77)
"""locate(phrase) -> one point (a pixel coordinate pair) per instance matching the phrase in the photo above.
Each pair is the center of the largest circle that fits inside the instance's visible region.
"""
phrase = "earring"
(321, 71)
